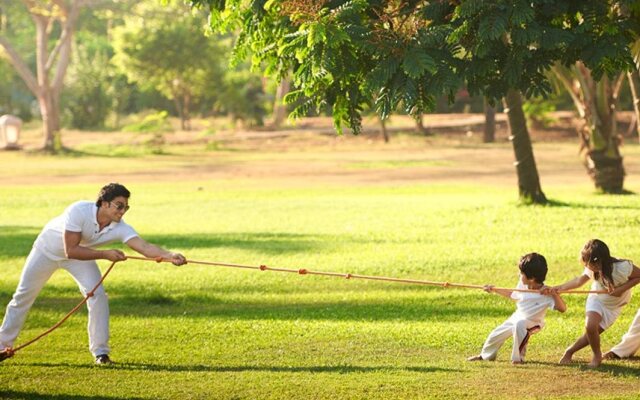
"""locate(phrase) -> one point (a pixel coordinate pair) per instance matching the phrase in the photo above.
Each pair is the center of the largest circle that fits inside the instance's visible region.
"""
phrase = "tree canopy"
(408, 53)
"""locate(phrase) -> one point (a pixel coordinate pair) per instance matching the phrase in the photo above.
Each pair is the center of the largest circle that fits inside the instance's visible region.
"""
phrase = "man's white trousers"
(37, 270)
(630, 342)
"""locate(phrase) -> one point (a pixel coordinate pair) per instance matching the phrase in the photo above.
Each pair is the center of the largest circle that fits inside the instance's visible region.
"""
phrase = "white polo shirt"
(531, 306)
(80, 217)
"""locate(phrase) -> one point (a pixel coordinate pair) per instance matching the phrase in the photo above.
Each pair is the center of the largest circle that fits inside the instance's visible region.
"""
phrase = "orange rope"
(303, 271)
(9, 352)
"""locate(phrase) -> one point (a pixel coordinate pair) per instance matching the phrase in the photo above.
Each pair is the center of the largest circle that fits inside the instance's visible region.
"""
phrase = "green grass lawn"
(199, 332)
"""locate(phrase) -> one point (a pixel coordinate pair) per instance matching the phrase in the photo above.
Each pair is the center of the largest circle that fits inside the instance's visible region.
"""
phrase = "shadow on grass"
(263, 242)
(16, 395)
(564, 204)
(334, 369)
(16, 241)
(196, 307)
(608, 367)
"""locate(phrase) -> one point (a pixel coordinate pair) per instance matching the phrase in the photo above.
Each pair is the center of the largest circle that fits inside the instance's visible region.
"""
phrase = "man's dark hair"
(534, 266)
(110, 192)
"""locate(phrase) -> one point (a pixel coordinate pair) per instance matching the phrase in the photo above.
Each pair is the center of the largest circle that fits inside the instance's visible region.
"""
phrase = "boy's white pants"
(37, 270)
(630, 341)
(519, 329)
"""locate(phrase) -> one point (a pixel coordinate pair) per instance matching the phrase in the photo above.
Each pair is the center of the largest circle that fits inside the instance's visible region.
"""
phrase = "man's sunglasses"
(120, 206)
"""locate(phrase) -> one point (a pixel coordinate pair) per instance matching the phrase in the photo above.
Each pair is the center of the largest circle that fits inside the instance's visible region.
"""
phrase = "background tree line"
(124, 57)
(85, 63)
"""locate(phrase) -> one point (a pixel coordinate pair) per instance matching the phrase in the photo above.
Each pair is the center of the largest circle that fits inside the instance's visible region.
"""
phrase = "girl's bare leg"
(579, 344)
(593, 334)
(593, 320)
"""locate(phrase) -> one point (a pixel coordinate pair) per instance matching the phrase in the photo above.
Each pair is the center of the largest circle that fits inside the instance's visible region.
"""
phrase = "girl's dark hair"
(110, 192)
(596, 250)
(534, 266)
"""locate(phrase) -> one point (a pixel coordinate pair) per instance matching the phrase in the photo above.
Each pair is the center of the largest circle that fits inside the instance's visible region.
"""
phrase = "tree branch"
(64, 50)
(21, 67)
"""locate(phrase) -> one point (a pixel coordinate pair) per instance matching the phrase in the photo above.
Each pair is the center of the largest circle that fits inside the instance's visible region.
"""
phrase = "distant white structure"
(10, 132)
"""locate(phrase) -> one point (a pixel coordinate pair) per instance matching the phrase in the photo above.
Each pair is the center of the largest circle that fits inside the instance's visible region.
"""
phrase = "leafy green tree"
(407, 53)
(87, 102)
(52, 56)
(242, 97)
(166, 48)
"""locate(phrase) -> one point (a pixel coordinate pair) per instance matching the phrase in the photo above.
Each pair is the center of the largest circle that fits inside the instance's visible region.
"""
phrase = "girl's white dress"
(608, 306)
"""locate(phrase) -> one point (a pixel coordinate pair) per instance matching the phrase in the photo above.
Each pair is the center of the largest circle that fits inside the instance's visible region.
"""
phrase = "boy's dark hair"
(110, 192)
(534, 266)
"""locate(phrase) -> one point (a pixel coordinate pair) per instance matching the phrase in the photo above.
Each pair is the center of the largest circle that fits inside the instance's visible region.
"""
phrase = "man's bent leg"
(87, 275)
(36, 272)
(630, 341)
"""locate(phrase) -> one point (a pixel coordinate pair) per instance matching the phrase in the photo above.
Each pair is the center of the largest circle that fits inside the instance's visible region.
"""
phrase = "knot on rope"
(445, 285)
(158, 259)
(263, 268)
(90, 294)
(302, 271)
(347, 276)
(7, 352)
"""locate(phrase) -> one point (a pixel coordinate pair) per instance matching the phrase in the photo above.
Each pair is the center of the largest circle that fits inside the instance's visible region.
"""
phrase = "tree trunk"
(176, 101)
(187, 112)
(383, 130)
(279, 108)
(420, 126)
(595, 103)
(45, 93)
(634, 84)
(528, 180)
(602, 159)
(48, 130)
(489, 123)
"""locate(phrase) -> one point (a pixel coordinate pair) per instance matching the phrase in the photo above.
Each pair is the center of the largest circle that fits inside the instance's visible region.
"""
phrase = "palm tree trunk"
(279, 108)
(634, 85)
(489, 123)
(383, 130)
(420, 126)
(528, 180)
(602, 159)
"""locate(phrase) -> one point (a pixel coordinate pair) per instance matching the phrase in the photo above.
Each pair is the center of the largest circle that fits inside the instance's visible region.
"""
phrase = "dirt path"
(307, 155)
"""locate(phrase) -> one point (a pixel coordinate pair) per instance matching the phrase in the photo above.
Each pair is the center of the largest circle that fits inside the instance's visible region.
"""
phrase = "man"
(69, 241)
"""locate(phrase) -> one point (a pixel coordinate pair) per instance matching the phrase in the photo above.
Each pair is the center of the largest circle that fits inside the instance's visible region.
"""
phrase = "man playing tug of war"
(69, 241)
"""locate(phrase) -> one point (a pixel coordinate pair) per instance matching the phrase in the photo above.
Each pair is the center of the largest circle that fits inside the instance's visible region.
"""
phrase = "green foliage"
(15, 97)
(165, 48)
(347, 54)
(87, 100)
(242, 97)
(157, 122)
(538, 111)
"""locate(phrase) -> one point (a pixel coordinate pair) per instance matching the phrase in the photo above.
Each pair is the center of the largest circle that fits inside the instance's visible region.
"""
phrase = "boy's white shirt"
(531, 306)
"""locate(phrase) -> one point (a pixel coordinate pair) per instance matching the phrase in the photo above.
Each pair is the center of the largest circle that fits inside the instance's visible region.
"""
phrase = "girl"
(609, 274)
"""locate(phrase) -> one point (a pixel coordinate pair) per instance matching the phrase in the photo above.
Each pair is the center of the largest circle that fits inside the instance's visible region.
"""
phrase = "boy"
(530, 310)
